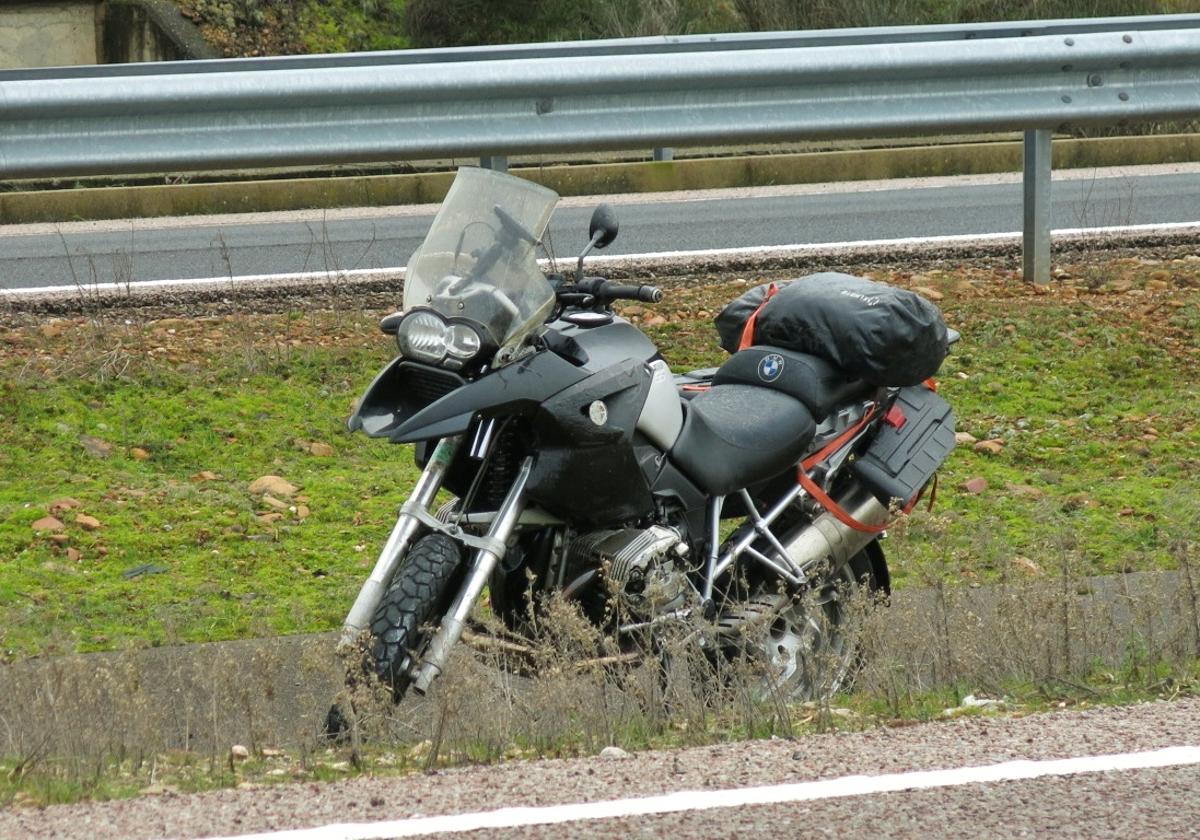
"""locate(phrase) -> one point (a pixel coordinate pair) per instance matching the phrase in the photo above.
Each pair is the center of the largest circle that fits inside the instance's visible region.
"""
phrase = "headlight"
(462, 342)
(423, 336)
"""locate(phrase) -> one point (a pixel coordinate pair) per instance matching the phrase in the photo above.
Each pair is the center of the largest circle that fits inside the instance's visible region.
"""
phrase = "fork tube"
(403, 531)
(451, 629)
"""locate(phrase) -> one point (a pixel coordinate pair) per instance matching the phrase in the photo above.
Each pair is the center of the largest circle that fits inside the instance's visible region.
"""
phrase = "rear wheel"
(419, 593)
(803, 643)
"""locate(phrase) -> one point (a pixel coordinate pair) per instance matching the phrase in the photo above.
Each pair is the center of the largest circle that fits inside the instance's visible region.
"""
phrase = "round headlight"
(462, 342)
(423, 335)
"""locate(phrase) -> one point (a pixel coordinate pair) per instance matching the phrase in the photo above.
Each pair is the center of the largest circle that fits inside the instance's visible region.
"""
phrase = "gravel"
(1158, 803)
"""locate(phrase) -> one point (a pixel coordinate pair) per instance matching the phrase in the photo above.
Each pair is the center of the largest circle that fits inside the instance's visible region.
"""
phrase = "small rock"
(271, 501)
(95, 446)
(965, 438)
(990, 447)
(322, 450)
(74, 555)
(48, 523)
(1127, 511)
(1027, 565)
(64, 504)
(655, 321)
(271, 752)
(1025, 491)
(269, 518)
(974, 486)
(274, 485)
(205, 475)
(973, 702)
(87, 523)
(59, 539)
(239, 752)
(302, 512)
(139, 454)
(613, 752)
(925, 291)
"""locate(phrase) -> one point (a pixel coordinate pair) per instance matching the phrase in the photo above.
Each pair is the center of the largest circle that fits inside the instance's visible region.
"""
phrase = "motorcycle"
(581, 467)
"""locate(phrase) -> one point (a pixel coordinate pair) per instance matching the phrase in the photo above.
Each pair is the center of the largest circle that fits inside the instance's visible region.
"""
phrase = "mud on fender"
(915, 439)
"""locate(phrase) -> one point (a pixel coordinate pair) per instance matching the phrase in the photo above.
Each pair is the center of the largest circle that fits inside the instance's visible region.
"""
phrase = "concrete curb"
(598, 179)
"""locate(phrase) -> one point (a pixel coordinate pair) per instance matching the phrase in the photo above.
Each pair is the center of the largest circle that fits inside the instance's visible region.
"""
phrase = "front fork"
(491, 550)
(407, 524)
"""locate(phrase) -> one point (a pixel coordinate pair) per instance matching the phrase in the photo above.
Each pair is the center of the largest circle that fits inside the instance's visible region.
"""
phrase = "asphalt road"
(265, 244)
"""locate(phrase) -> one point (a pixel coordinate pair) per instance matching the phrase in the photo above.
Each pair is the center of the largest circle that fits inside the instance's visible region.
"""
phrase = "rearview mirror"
(603, 229)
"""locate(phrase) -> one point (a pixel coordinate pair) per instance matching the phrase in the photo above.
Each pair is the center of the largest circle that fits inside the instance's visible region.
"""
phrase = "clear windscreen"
(479, 260)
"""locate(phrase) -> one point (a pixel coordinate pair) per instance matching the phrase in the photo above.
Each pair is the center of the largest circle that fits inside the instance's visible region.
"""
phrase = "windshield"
(478, 261)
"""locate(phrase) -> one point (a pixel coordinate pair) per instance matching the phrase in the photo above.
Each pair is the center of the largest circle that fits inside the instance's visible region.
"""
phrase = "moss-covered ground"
(142, 439)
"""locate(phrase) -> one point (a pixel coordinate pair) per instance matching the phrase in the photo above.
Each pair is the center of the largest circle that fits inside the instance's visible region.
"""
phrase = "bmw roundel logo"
(770, 367)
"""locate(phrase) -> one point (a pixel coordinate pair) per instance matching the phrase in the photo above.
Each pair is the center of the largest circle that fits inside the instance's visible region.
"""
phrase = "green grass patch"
(1090, 389)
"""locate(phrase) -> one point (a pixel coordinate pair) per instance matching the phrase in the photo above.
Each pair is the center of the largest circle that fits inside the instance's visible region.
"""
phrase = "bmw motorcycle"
(744, 499)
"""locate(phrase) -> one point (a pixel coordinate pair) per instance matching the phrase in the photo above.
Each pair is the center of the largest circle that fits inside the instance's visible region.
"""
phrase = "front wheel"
(418, 595)
(803, 643)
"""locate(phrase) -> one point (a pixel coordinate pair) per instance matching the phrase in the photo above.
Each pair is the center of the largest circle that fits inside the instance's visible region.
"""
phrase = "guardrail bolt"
(1067, 100)
(1123, 96)
(1070, 42)
(1128, 39)
(1094, 80)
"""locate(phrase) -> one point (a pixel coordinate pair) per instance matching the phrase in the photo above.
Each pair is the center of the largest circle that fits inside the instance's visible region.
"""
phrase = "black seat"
(736, 435)
(810, 379)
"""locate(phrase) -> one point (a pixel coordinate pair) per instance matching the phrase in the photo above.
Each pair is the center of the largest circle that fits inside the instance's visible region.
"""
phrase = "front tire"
(418, 595)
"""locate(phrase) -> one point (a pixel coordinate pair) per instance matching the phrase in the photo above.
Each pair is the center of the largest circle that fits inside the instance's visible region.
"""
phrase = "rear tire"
(804, 642)
(418, 595)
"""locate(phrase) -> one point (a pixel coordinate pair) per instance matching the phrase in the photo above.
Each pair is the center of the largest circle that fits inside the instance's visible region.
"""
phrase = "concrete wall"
(147, 30)
(48, 34)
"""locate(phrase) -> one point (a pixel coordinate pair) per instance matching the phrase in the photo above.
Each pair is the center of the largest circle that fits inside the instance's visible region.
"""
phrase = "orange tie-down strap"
(748, 329)
(826, 501)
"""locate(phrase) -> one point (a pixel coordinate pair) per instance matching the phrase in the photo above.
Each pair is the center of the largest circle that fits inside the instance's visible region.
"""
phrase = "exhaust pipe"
(828, 538)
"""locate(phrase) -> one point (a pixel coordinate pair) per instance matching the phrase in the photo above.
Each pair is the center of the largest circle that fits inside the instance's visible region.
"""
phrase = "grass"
(1090, 388)
(207, 422)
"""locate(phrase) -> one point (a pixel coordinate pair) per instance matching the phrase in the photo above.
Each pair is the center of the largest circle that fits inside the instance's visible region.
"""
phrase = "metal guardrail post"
(498, 163)
(663, 154)
(1037, 206)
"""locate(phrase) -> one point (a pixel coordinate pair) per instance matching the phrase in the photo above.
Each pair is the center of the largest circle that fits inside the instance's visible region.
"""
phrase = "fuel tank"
(607, 339)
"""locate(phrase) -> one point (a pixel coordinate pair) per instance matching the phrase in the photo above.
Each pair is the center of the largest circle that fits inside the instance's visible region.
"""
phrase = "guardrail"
(491, 102)
(658, 45)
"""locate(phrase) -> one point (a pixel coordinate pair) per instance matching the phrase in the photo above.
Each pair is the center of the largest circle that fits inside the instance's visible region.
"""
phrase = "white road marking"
(701, 800)
(608, 259)
(230, 282)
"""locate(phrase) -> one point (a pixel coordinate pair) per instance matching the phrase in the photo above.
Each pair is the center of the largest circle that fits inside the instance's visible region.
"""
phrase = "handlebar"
(605, 290)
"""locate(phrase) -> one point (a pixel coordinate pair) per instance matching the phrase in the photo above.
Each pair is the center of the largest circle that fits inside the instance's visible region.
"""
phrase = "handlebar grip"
(645, 294)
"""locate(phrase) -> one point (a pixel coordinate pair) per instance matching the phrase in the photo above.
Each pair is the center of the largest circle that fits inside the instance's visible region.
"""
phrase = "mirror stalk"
(596, 237)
